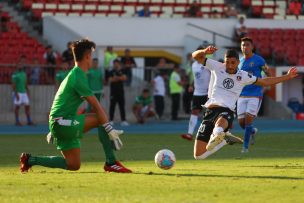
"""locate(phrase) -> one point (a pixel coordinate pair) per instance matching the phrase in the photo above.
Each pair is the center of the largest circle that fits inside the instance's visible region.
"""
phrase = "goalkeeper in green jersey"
(67, 127)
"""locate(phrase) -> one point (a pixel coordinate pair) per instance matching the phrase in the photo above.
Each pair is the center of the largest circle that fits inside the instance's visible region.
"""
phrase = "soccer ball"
(165, 159)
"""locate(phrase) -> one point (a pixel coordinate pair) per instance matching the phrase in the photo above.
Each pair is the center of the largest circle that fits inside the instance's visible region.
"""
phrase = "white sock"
(208, 153)
(192, 123)
(217, 130)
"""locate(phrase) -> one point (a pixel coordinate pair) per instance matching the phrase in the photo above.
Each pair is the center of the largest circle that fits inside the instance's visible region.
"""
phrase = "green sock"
(48, 161)
(107, 145)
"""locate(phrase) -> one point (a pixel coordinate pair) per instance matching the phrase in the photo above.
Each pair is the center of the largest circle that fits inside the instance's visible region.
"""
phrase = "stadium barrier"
(42, 93)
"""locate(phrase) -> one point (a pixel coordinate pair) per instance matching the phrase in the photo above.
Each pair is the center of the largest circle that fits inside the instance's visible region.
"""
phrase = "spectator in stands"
(128, 63)
(193, 10)
(159, 93)
(67, 55)
(117, 95)
(23, 62)
(62, 73)
(215, 15)
(188, 77)
(176, 88)
(295, 7)
(163, 66)
(109, 57)
(50, 58)
(188, 91)
(21, 93)
(188, 67)
(230, 11)
(4, 20)
(240, 29)
(35, 72)
(95, 79)
(142, 107)
(145, 12)
(1, 21)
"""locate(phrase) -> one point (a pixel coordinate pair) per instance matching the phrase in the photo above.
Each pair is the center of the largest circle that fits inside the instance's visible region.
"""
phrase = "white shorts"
(248, 105)
(23, 99)
(144, 110)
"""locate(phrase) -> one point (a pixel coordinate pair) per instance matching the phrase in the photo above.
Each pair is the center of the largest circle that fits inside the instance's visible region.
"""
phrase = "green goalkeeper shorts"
(67, 132)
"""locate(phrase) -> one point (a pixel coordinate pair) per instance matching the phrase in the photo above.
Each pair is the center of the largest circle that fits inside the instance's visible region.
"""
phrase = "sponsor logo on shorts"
(75, 122)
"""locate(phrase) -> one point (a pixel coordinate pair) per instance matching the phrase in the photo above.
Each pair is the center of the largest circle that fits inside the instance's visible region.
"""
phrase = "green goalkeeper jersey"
(95, 80)
(19, 79)
(70, 94)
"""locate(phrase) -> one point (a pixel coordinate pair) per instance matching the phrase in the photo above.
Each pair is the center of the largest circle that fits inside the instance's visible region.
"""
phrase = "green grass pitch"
(273, 171)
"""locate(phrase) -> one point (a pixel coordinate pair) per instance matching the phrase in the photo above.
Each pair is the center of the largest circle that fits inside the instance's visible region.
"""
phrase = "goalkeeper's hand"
(114, 136)
(49, 138)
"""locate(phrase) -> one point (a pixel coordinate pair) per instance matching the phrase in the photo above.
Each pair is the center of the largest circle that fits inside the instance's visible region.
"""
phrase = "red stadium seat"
(257, 11)
(301, 61)
(26, 4)
(246, 3)
(279, 54)
(265, 51)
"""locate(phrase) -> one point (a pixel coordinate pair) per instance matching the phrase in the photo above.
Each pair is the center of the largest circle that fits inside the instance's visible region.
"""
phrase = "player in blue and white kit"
(249, 103)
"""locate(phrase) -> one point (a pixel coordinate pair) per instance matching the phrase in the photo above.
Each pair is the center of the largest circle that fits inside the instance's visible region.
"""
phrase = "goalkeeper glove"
(114, 136)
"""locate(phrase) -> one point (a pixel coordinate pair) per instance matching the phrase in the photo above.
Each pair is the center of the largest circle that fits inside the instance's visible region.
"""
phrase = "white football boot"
(215, 140)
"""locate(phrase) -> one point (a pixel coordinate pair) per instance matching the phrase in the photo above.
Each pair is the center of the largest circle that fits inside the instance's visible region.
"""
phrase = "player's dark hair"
(162, 73)
(231, 53)
(116, 61)
(81, 47)
(146, 90)
(247, 39)
(200, 47)
(175, 66)
(95, 59)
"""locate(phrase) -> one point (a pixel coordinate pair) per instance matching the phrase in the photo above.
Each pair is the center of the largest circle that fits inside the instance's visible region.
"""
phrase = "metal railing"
(214, 34)
(42, 74)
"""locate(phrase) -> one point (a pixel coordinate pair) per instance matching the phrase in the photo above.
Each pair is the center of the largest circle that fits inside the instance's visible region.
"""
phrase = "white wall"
(289, 89)
(150, 33)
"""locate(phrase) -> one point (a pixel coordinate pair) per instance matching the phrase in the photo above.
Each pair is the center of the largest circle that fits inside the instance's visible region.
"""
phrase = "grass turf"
(272, 172)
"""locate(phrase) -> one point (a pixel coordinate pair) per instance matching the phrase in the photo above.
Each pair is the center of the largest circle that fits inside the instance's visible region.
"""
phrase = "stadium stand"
(283, 46)
(270, 43)
(277, 9)
(15, 43)
(159, 8)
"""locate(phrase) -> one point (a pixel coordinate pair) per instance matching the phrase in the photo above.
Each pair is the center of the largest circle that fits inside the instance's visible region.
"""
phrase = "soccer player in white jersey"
(201, 80)
(227, 86)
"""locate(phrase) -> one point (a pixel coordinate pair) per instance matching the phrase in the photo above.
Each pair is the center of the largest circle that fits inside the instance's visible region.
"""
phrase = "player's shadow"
(221, 176)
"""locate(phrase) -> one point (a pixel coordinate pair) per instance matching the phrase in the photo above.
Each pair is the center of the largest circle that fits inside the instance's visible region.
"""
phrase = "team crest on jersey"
(197, 75)
(239, 78)
(228, 83)
(251, 64)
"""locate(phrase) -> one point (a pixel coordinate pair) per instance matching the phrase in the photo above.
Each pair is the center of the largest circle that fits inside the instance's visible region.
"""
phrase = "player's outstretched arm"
(292, 73)
(200, 55)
